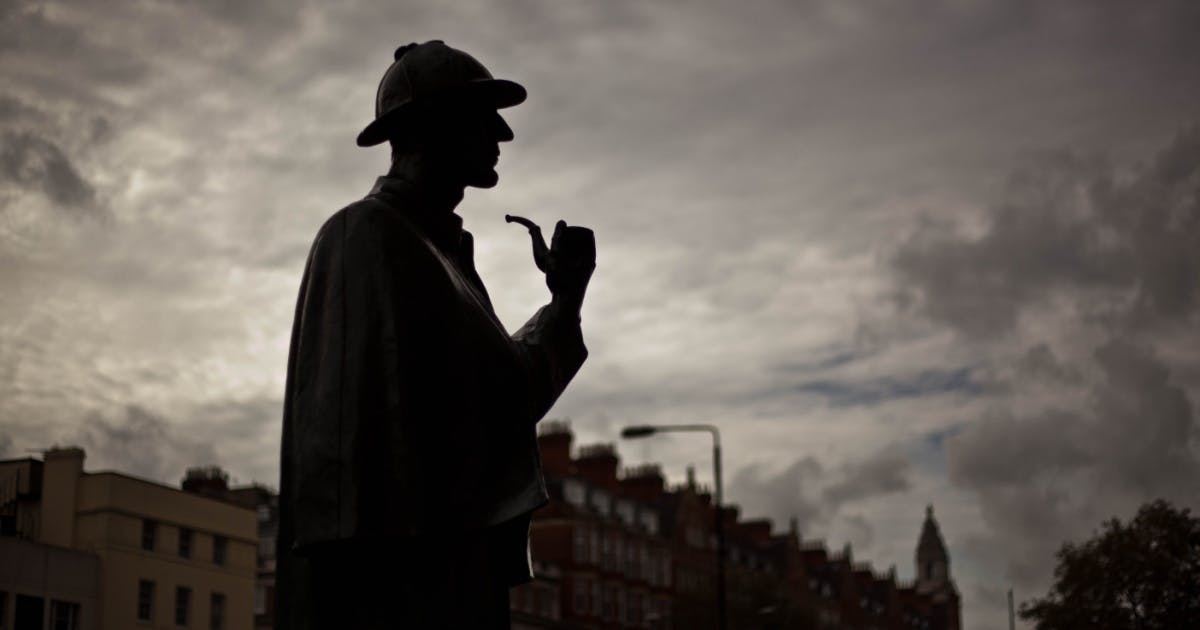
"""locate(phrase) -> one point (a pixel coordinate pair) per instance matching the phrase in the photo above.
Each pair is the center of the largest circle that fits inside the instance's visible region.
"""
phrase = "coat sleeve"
(551, 345)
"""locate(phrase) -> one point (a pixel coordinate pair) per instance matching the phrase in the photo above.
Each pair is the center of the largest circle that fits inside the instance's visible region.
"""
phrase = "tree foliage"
(1140, 575)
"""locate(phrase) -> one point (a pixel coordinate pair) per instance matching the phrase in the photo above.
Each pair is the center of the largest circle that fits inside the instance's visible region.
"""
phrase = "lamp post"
(639, 431)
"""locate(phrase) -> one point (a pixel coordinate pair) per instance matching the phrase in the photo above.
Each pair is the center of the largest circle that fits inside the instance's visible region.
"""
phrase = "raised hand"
(568, 262)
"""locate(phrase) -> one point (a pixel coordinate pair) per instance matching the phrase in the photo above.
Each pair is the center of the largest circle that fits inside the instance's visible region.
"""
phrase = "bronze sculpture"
(409, 463)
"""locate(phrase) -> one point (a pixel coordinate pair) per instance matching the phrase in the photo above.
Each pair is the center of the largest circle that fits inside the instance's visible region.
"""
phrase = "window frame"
(73, 611)
(145, 598)
(183, 604)
(216, 610)
(186, 538)
(149, 534)
(220, 550)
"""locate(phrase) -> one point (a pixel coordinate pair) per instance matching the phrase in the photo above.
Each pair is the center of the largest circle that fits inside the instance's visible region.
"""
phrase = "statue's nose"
(503, 132)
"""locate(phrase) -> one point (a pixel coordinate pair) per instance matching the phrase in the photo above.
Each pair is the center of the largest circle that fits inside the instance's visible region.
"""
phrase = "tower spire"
(933, 562)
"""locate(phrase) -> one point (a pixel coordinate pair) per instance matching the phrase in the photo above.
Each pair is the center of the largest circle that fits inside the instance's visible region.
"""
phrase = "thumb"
(560, 229)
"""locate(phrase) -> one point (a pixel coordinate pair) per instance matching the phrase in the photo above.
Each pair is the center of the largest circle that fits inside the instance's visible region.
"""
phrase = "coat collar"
(442, 227)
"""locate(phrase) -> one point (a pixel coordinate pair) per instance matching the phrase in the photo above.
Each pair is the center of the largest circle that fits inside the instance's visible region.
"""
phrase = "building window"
(601, 502)
(929, 570)
(579, 594)
(625, 511)
(609, 608)
(266, 547)
(634, 611)
(650, 522)
(183, 602)
(29, 612)
(596, 597)
(64, 615)
(580, 543)
(542, 597)
(216, 611)
(145, 602)
(264, 513)
(149, 534)
(574, 492)
(185, 542)
(260, 599)
(220, 545)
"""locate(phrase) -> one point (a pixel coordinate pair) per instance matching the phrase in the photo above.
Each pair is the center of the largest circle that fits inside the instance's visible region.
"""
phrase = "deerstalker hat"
(423, 74)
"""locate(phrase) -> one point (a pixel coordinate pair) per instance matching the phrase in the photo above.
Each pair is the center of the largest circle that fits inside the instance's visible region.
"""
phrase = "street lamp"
(644, 430)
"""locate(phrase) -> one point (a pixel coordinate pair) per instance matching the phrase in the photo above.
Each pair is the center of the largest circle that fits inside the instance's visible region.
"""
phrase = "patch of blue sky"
(875, 391)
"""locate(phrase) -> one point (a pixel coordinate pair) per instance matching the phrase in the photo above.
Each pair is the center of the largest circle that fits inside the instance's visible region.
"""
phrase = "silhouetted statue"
(409, 460)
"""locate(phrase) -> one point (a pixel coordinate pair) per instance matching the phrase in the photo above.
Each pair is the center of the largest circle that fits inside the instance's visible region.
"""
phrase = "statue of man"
(409, 460)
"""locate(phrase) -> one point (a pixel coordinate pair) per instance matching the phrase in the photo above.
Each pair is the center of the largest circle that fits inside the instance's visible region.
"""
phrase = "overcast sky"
(902, 253)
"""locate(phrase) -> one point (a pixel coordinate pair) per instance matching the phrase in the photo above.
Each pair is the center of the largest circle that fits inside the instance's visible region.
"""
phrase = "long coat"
(409, 409)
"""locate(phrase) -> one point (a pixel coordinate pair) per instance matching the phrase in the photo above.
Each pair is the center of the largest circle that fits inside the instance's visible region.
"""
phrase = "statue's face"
(466, 139)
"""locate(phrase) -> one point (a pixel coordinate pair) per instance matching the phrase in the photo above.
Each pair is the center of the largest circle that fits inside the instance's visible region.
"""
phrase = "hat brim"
(498, 93)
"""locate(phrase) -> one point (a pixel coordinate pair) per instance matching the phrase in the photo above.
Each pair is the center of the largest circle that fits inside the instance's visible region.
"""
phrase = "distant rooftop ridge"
(554, 427)
(641, 470)
(603, 449)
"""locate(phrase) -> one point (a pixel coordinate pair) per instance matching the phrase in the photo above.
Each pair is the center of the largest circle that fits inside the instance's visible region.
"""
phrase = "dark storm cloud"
(16, 110)
(1049, 477)
(1070, 226)
(29, 162)
(884, 473)
(814, 494)
(1095, 269)
(57, 53)
(745, 166)
(142, 443)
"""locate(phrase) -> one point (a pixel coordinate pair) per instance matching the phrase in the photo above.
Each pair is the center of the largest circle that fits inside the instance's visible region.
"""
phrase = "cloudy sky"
(902, 253)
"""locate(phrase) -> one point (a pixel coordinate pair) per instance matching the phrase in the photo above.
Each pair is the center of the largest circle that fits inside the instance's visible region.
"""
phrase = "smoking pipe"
(541, 253)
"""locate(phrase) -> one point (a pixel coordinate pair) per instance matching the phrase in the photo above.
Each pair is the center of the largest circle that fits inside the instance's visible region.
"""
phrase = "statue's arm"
(552, 342)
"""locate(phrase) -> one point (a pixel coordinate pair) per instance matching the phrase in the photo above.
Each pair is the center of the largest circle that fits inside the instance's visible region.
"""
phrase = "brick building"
(620, 549)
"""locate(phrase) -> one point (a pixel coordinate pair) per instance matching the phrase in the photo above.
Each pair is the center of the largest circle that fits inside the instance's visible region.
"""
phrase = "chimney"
(643, 483)
(597, 463)
(209, 481)
(691, 478)
(729, 517)
(554, 442)
(60, 488)
(758, 530)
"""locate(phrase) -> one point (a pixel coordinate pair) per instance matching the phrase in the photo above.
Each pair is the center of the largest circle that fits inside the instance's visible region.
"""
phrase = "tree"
(1140, 575)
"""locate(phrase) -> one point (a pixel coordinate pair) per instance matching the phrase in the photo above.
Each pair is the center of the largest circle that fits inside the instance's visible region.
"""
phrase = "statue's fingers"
(559, 229)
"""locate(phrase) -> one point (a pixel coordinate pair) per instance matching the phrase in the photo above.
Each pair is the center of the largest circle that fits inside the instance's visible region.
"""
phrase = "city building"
(108, 551)
(621, 549)
(212, 482)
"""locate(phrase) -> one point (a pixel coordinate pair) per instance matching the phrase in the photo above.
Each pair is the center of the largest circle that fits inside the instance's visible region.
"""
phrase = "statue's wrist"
(567, 303)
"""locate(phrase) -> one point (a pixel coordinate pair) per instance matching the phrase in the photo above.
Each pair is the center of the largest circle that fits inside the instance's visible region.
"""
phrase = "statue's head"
(443, 104)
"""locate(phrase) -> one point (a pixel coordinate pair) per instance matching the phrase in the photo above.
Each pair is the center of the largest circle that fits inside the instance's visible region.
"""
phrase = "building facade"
(620, 549)
(160, 557)
(213, 482)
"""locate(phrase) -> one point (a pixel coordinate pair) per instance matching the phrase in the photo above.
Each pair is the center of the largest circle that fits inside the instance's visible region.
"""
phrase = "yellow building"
(165, 558)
